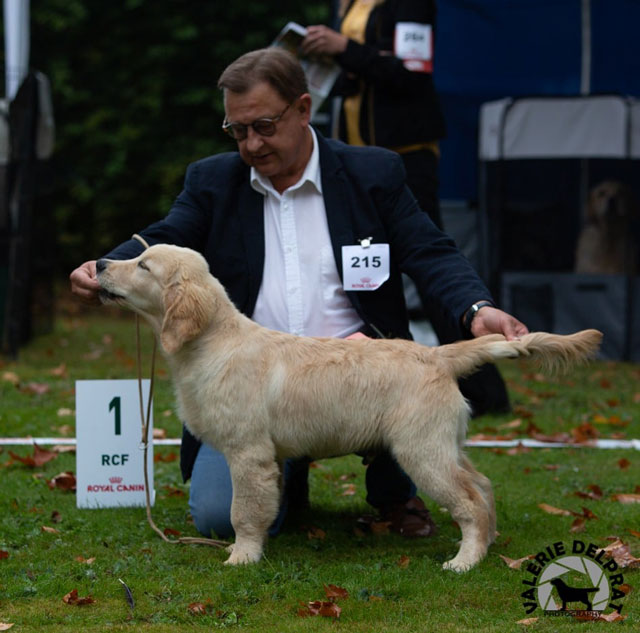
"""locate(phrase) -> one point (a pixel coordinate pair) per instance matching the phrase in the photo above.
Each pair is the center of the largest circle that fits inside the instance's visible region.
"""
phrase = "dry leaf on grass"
(527, 621)
(320, 608)
(595, 493)
(5, 626)
(621, 553)
(315, 533)
(72, 599)
(626, 497)
(39, 457)
(516, 563)
(334, 593)
(545, 507)
(403, 561)
(63, 481)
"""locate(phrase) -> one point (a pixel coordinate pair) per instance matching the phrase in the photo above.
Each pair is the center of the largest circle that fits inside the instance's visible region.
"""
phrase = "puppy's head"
(167, 285)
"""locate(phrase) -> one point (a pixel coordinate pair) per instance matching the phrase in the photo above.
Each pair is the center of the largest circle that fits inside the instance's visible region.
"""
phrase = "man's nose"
(254, 140)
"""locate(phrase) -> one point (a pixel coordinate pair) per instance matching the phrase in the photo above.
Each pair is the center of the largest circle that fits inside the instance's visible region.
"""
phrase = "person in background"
(388, 98)
(271, 220)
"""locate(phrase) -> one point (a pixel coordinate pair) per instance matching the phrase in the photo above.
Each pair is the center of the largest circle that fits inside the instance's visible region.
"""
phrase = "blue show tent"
(491, 49)
(539, 104)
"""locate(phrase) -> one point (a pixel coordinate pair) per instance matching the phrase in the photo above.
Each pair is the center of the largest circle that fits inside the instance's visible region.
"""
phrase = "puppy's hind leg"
(256, 478)
(437, 467)
(483, 484)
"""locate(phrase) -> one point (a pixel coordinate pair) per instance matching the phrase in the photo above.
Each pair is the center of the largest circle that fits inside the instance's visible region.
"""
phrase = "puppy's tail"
(552, 351)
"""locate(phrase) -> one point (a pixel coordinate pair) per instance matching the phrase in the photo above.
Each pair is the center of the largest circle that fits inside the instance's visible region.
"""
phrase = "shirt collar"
(311, 173)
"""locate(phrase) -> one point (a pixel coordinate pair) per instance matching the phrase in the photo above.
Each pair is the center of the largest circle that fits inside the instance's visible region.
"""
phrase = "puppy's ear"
(185, 315)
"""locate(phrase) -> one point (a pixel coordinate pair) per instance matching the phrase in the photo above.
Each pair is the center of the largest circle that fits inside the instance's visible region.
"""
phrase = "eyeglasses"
(263, 127)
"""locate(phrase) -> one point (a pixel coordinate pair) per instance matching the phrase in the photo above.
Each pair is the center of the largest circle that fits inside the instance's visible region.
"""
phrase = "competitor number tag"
(413, 44)
(365, 266)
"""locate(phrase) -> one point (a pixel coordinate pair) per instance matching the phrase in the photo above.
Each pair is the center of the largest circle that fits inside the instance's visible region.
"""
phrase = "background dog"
(608, 241)
(260, 396)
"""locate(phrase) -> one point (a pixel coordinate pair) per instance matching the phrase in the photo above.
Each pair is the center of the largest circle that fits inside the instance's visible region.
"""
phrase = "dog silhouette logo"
(573, 594)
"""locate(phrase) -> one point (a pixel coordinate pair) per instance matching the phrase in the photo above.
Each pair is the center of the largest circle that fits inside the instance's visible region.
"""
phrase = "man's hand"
(321, 40)
(490, 320)
(84, 283)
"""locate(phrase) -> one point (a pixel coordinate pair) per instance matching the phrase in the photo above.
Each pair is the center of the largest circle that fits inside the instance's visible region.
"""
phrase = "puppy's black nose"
(101, 264)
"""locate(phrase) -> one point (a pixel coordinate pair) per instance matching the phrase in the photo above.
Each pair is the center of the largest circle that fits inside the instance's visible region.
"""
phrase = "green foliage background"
(133, 85)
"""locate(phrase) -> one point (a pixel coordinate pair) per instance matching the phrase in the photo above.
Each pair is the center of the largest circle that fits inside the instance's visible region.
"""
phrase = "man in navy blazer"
(272, 220)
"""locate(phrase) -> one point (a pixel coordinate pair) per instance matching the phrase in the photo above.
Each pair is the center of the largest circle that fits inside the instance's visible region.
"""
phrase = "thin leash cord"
(185, 540)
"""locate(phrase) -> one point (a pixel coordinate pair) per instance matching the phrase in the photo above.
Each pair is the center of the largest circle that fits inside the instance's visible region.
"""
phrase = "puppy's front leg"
(255, 476)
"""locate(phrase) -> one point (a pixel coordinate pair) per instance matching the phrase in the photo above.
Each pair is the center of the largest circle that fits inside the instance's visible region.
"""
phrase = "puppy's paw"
(457, 566)
(241, 556)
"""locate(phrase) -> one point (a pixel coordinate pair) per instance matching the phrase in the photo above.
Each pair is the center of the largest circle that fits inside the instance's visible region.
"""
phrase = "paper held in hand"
(321, 72)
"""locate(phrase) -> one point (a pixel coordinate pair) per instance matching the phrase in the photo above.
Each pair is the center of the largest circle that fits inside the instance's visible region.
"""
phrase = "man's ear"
(185, 315)
(304, 106)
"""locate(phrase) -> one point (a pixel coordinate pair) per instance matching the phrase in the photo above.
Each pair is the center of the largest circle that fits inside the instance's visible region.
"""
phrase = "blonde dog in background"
(607, 244)
(261, 396)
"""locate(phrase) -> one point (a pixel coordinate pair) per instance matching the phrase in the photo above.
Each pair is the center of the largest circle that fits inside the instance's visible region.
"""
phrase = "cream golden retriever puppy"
(261, 396)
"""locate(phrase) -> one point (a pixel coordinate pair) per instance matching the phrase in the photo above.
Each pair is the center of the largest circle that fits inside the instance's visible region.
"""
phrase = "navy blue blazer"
(365, 195)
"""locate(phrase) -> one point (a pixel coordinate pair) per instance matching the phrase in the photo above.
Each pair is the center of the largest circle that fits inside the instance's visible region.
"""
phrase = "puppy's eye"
(142, 265)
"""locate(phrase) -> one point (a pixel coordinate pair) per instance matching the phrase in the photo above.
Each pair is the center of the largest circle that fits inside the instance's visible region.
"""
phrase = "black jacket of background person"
(221, 216)
(399, 107)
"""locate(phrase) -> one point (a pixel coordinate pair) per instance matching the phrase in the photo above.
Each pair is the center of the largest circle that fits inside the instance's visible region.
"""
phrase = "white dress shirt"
(301, 291)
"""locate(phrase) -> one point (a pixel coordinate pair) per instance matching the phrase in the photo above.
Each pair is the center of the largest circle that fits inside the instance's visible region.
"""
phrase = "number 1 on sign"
(115, 404)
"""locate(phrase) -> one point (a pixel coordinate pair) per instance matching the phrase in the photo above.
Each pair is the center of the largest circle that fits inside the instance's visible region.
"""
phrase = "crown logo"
(115, 480)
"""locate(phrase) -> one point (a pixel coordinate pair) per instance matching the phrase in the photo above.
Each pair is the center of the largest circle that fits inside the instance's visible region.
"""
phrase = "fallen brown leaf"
(39, 457)
(349, 490)
(63, 481)
(49, 530)
(403, 561)
(36, 388)
(578, 525)
(5, 626)
(516, 563)
(197, 608)
(86, 561)
(621, 553)
(333, 593)
(171, 532)
(320, 608)
(527, 621)
(60, 371)
(169, 457)
(594, 493)
(316, 533)
(14, 379)
(3, 554)
(626, 498)
(552, 510)
(624, 463)
(72, 599)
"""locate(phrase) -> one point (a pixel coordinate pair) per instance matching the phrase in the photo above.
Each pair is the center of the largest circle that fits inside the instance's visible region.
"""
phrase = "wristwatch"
(471, 313)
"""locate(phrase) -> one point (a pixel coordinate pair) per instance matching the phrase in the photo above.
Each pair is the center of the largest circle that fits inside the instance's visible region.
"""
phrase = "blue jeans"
(211, 490)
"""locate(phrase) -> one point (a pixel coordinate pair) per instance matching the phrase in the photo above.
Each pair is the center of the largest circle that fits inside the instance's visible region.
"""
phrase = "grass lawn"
(393, 584)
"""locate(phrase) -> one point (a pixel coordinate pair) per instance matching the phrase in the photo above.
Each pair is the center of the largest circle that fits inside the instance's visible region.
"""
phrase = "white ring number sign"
(109, 462)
